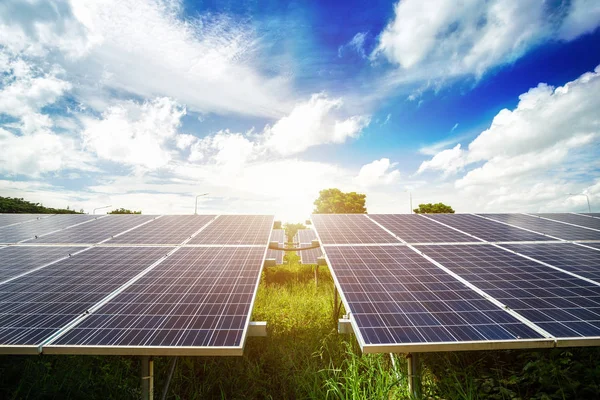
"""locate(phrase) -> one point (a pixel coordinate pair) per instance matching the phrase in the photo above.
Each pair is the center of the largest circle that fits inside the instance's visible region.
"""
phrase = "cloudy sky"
(487, 106)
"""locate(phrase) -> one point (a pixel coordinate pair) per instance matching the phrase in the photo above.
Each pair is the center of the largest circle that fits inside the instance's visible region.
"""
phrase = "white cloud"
(230, 151)
(378, 172)
(357, 44)
(443, 38)
(135, 134)
(551, 136)
(583, 17)
(312, 123)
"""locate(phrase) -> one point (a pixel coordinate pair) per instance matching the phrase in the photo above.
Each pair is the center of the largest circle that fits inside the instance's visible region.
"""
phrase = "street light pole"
(99, 208)
(586, 197)
(196, 207)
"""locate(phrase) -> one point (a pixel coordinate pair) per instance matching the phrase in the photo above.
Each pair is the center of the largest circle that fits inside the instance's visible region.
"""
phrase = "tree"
(124, 211)
(438, 208)
(334, 201)
(292, 229)
(18, 205)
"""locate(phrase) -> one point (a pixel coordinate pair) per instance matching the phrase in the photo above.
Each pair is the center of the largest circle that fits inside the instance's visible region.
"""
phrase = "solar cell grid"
(9, 219)
(487, 230)
(595, 215)
(398, 297)
(34, 306)
(563, 305)
(575, 219)
(18, 233)
(169, 229)
(309, 256)
(277, 235)
(15, 260)
(577, 259)
(306, 235)
(95, 231)
(552, 228)
(349, 229)
(594, 245)
(197, 297)
(416, 229)
(236, 230)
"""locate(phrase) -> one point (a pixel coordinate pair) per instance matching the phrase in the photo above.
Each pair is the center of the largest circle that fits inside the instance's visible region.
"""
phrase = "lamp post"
(99, 208)
(196, 207)
(586, 197)
(410, 197)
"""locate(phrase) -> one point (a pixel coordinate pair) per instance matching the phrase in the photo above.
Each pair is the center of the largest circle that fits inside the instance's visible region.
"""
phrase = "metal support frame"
(317, 275)
(414, 375)
(147, 375)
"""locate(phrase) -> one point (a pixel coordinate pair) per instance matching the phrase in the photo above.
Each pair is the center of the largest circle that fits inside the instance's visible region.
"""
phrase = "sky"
(487, 106)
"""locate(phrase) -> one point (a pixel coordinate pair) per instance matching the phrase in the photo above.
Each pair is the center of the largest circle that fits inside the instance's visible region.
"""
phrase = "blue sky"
(487, 106)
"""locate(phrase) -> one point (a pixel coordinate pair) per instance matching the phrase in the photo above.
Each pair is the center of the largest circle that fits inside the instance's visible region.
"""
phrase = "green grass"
(303, 357)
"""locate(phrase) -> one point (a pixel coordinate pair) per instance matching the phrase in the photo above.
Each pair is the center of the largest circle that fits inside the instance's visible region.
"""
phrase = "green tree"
(18, 205)
(334, 201)
(124, 211)
(292, 229)
(438, 208)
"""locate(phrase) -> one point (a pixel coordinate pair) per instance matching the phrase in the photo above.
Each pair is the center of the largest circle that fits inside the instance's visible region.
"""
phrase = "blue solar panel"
(547, 227)
(399, 298)
(12, 219)
(563, 305)
(43, 226)
(37, 305)
(304, 238)
(277, 235)
(236, 230)
(574, 258)
(417, 229)
(196, 298)
(487, 230)
(575, 219)
(168, 229)
(16, 260)
(349, 229)
(95, 231)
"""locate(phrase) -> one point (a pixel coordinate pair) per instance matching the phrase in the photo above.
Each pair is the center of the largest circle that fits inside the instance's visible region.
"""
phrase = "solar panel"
(416, 229)
(565, 306)
(236, 230)
(349, 229)
(306, 236)
(198, 300)
(169, 229)
(277, 235)
(574, 219)
(402, 302)
(594, 245)
(11, 219)
(18, 233)
(487, 230)
(37, 305)
(16, 260)
(304, 239)
(95, 231)
(540, 225)
(579, 260)
(595, 215)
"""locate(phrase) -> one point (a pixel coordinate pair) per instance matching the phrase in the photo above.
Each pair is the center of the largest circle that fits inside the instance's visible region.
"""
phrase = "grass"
(304, 357)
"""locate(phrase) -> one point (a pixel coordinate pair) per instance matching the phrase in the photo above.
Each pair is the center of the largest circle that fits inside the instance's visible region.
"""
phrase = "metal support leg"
(147, 375)
(317, 275)
(336, 312)
(414, 375)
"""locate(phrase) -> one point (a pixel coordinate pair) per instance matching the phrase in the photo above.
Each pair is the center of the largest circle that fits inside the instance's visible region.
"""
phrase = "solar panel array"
(130, 284)
(277, 235)
(304, 238)
(463, 281)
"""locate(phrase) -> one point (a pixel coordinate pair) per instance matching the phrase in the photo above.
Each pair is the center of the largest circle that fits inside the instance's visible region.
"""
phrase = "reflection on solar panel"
(574, 219)
(577, 259)
(17, 233)
(10, 219)
(277, 235)
(36, 305)
(400, 301)
(236, 230)
(416, 229)
(95, 231)
(594, 245)
(596, 215)
(556, 229)
(349, 229)
(169, 229)
(16, 260)
(485, 229)
(304, 239)
(197, 298)
(564, 306)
